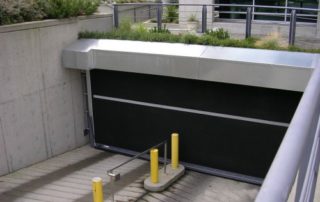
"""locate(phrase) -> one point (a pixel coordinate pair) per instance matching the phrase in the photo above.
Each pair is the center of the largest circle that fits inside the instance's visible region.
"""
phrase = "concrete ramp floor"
(67, 177)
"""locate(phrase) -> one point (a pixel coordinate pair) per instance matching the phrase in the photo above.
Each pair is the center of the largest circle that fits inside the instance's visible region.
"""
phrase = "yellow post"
(97, 189)
(175, 150)
(154, 166)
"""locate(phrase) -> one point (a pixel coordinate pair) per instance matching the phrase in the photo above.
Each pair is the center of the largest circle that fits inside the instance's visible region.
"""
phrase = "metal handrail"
(219, 5)
(250, 14)
(116, 176)
(266, 13)
(296, 151)
(141, 154)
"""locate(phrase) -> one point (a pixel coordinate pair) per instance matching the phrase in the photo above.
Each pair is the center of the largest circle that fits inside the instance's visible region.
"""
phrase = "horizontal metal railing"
(293, 13)
(298, 155)
(218, 5)
(116, 176)
(164, 143)
(268, 14)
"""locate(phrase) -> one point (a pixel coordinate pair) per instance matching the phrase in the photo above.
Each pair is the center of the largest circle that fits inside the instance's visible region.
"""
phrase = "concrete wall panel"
(41, 104)
(97, 24)
(52, 40)
(20, 64)
(23, 131)
(78, 113)
(4, 167)
(60, 120)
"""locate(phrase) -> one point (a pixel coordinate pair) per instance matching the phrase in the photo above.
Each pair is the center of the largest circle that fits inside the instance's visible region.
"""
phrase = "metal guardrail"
(298, 156)
(116, 176)
(218, 5)
(250, 14)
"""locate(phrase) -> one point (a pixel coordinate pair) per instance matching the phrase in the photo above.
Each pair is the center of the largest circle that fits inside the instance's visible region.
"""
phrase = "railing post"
(113, 178)
(115, 16)
(248, 22)
(204, 18)
(286, 11)
(149, 8)
(292, 28)
(159, 16)
(134, 14)
(165, 158)
(175, 150)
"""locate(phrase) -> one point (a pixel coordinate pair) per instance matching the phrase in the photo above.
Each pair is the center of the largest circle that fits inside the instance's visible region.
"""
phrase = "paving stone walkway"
(68, 177)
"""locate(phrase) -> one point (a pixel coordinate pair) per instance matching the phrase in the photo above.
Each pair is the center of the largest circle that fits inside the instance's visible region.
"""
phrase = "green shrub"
(125, 25)
(247, 43)
(270, 44)
(219, 34)
(159, 30)
(70, 8)
(15, 11)
(140, 33)
(171, 14)
(205, 40)
(140, 28)
(189, 39)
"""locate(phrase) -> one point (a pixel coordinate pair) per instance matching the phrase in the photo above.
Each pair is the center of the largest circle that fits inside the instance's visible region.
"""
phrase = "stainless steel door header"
(254, 67)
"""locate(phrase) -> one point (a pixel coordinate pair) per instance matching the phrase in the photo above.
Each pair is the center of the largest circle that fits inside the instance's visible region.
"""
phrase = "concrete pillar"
(185, 12)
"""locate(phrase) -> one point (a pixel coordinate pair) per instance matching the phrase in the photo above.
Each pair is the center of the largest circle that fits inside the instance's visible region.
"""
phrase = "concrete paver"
(67, 178)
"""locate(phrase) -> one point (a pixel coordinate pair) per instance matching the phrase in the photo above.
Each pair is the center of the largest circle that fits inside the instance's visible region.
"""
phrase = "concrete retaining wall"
(41, 108)
(41, 103)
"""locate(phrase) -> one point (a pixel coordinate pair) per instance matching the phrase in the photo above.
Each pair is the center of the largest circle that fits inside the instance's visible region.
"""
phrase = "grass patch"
(219, 37)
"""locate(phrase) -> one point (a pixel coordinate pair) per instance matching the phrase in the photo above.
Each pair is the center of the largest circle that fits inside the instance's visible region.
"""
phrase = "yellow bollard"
(175, 150)
(154, 166)
(97, 189)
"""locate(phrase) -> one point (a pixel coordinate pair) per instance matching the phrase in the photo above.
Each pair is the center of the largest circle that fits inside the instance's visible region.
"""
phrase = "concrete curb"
(165, 179)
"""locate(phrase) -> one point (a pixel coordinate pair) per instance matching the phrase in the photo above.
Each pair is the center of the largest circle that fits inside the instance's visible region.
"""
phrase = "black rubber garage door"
(224, 126)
